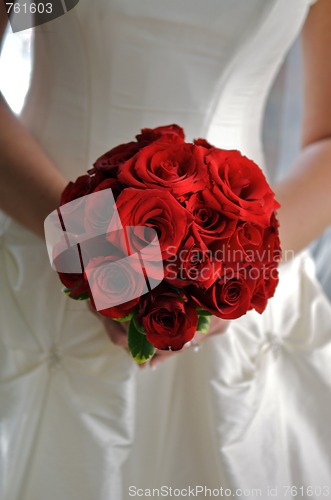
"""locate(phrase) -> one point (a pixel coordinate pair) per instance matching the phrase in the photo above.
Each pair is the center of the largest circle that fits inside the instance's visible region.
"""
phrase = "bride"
(248, 413)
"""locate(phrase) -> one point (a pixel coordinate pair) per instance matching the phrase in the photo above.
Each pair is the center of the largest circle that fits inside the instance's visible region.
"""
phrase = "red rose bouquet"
(174, 232)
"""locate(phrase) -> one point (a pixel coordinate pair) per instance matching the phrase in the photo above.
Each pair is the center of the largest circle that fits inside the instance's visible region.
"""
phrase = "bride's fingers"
(118, 334)
(217, 326)
(91, 308)
(116, 331)
(160, 356)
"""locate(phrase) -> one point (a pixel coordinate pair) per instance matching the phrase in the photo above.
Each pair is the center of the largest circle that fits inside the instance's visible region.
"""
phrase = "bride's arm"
(305, 194)
(30, 184)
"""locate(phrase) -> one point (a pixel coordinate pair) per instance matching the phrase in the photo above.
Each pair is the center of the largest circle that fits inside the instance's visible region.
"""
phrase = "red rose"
(250, 243)
(158, 209)
(265, 286)
(179, 168)
(112, 184)
(229, 297)
(244, 246)
(168, 319)
(76, 283)
(70, 257)
(114, 283)
(263, 250)
(209, 217)
(65, 259)
(239, 187)
(193, 264)
(100, 209)
(267, 261)
(167, 133)
(271, 242)
(110, 161)
(203, 143)
(82, 186)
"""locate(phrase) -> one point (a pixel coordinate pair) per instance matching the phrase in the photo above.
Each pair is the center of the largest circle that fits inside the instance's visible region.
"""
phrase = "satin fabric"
(250, 410)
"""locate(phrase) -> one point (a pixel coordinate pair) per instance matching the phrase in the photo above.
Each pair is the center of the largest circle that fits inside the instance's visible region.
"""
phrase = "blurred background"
(15, 67)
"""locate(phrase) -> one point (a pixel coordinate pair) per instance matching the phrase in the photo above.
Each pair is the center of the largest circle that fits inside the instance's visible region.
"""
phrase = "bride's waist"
(74, 135)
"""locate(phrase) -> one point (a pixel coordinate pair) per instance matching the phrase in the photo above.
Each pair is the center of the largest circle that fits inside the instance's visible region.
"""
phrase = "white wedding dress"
(251, 409)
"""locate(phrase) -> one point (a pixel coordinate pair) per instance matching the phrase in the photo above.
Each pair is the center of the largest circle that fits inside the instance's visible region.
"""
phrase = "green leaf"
(203, 312)
(138, 326)
(83, 296)
(140, 349)
(203, 324)
(127, 317)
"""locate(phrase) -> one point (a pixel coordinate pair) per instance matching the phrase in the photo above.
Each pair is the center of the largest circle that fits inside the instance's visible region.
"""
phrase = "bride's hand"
(116, 331)
(118, 334)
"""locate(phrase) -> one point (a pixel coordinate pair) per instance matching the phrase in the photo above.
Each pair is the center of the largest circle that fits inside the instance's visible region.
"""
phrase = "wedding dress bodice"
(104, 71)
(78, 420)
